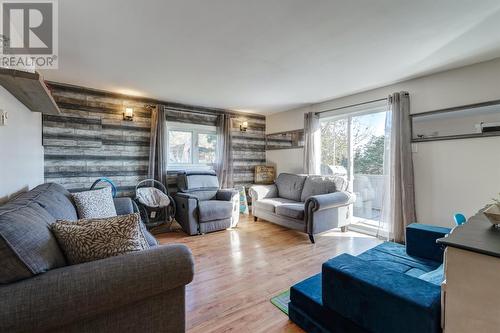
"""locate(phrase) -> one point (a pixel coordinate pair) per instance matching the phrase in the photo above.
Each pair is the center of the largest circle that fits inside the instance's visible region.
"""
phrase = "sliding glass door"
(355, 145)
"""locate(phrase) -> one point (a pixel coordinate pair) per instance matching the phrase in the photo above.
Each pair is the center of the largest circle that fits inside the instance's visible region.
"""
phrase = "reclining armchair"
(202, 207)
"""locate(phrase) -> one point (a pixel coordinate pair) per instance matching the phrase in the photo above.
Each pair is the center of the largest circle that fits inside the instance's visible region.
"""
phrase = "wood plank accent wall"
(248, 148)
(90, 139)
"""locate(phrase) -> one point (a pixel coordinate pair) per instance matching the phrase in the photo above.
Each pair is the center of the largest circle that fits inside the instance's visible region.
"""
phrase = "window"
(207, 143)
(190, 146)
(180, 147)
(354, 145)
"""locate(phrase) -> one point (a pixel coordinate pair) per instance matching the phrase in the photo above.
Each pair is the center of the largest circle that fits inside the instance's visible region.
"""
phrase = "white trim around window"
(194, 131)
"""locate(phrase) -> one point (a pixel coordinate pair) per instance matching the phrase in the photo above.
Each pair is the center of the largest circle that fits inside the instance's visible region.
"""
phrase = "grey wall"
(90, 139)
(248, 148)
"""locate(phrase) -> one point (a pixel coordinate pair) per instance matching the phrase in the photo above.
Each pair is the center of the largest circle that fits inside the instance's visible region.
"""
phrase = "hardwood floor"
(238, 271)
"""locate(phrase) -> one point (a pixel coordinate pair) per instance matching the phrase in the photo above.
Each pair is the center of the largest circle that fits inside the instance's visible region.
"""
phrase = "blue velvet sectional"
(389, 288)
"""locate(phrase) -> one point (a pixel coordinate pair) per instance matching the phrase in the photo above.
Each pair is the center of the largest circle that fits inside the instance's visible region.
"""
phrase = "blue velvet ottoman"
(384, 289)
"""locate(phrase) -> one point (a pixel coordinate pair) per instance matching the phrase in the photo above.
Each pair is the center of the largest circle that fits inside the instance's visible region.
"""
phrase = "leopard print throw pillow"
(93, 239)
(95, 203)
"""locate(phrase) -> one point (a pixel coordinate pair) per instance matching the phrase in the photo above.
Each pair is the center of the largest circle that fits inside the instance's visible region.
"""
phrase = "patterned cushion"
(93, 239)
(95, 204)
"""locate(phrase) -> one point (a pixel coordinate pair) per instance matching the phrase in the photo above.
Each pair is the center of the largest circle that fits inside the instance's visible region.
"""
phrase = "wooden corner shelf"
(29, 89)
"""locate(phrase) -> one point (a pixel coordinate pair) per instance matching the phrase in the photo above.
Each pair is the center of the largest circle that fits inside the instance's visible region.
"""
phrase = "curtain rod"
(215, 113)
(352, 105)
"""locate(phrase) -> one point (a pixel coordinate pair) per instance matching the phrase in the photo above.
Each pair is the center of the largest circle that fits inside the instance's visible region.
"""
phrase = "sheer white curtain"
(398, 209)
(312, 144)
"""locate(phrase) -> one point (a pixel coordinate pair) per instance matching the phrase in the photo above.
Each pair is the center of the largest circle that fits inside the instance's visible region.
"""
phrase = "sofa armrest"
(421, 241)
(329, 200)
(258, 192)
(227, 194)
(232, 195)
(380, 299)
(125, 206)
(186, 212)
(72, 293)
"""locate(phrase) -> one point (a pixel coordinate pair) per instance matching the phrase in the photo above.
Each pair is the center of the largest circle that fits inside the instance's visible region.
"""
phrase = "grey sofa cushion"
(152, 241)
(24, 227)
(270, 204)
(204, 195)
(315, 185)
(290, 186)
(341, 183)
(211, 210)
(190, 181)
(211, 226)
(13, 269)
(201, 184)
(292, 210)
(54, 198)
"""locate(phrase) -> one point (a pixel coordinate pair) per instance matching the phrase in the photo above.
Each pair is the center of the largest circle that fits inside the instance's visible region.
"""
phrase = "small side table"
(243, 199)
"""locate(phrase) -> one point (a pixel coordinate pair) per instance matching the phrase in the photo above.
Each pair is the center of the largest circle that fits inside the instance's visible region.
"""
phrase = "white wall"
(286, 160)
(21, 151)
(450, 176)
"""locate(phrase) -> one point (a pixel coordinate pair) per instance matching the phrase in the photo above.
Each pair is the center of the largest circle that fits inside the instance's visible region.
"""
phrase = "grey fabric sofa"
(311, 204)
(138, 292)
(202, 207)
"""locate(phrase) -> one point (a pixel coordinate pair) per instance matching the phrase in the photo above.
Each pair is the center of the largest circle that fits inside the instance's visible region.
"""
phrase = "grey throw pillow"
(95, 203)
(315, 185)
(93, 239)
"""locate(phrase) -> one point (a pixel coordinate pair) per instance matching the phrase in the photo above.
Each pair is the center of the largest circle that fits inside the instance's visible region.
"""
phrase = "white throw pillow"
(95, 204)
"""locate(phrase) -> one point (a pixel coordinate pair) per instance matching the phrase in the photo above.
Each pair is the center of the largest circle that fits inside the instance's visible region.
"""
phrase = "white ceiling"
(266, 56)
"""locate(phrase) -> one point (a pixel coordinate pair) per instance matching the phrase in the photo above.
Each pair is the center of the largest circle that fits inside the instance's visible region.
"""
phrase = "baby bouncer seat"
(155, 204)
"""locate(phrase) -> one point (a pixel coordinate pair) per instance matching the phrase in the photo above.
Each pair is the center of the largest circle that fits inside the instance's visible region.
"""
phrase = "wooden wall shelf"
(462, 122)
(29, 89)
(285, 140)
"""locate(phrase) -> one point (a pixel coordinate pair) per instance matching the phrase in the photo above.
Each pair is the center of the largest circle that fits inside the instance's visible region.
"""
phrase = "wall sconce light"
(128, 114)
(244, 126)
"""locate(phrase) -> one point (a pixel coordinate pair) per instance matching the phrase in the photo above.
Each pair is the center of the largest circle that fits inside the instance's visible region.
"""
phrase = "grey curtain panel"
(312, 144)
(157, 167)
(224, 164)
(402, 192)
